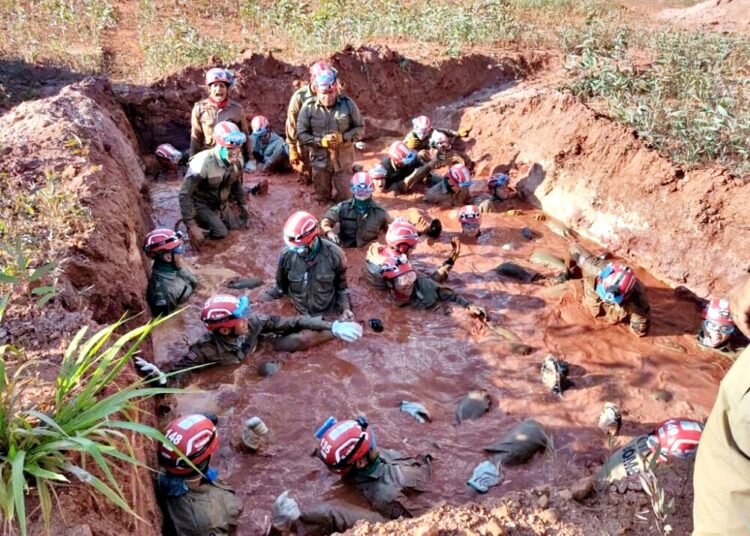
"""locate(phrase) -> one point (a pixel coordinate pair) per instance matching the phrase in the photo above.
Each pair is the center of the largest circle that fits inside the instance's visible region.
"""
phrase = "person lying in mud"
(418, 138)
(311, 271)
(406, 287)
(171, 283)
(452, 189)
(213, 178)
(287, 518)
(194, 503)
(387, 479)
(401, 239)
(718, 331)
(403, 169)
(442, 153)
(270, 151)
(213, 110)
(499, 193)
(360, 218)
(612, 290)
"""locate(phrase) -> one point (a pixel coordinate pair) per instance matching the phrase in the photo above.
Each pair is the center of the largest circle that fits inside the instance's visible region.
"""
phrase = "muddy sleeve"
(342, 289)
(640, 311)
(196, 132)
(237, 192)
(357, 124)
(189, 185)
(304, 128)
(448, 294)
(247, 149)
(418, 174)
(282, 280)
(448, 132)
(198, 354)
(188, 276)
(295, 103)
(294, 324)
(332, 217)
(591, 265)
(441, 274)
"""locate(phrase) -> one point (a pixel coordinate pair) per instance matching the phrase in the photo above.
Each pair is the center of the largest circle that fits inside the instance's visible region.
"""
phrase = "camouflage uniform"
(316, 287)
(429, 294)
(375, 258)
(168, 287)
(204, 197)
(295, 105)
(328, 518)
(404, 177)
(355, 229)
(271, 154)
(330, 165)
(424, 144)
(211, 509)
(445, 159)
(204, 118)
(444, 194)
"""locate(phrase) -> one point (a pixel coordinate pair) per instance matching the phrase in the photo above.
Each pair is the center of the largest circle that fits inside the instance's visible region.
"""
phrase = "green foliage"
(80, 427)
(20, 274)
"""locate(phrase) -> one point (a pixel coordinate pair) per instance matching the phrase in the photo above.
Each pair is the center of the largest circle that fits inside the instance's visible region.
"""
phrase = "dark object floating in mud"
(610, 419)
(555, 375)
(416, 410)
(247, 282)
(661, 395)
(211, 417)
(473, 405)
(269, 368)
(520, 444)
(376, 324)
(513, 270)
(520, 348)
(527, 233)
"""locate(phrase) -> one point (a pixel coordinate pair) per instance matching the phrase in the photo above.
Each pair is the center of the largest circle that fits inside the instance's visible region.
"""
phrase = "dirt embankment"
(712, 15)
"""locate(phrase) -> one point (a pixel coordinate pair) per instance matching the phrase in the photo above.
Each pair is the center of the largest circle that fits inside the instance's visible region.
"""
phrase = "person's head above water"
(165, 245)
(345, 445)
(301, 233)
(718, 325)
(226, 314)
(471, 220)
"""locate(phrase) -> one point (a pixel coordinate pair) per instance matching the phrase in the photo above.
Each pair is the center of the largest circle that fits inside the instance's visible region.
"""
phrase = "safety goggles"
(235, 139)
(409, 158)
(711, 325)
(177, 236)
(293, 239)
(362, 188)
(179, 249)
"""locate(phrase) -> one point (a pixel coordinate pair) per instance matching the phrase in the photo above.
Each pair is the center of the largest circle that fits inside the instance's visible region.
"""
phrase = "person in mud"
(406, 287)
(418, 138)
(269, 149)
(612, 290)
(211, 111)
(171, 283)
(321, 519)
(311, 271)
(360, 218)
(194, 503)
(471, 221)
(328, 125)
(718, 331)
(299, 157)
(401, 239)
(442, 154)
(499, 193)
(403, 169)
(387, 479)
(453, 188)
(214, 176)
(722, 467)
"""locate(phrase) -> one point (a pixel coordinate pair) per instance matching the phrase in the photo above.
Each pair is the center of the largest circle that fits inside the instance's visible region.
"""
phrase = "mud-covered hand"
(333, 237)
(332, 140)
(485, 476)
(455, 252)
(347, 315)
(419, 219)
(346, 331)
(464, 132)
(416, 410)
(243, 217)
(294, 160)
(478, 311)
(412, 142)
(285, 512)
(150, 371)
(196, 235)
(250, 166)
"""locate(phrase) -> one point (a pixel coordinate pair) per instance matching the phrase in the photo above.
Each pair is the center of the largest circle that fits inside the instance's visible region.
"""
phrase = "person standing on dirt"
(170, 283)
(269, 150)
(418, 138)
(722, 467)
(213, 110)
(386, 479)
(194, 503)
(403, 169)
(328, 125)
(453, 188)
(612, 290)
(214, 176)
(360, 218)
(311, 271)
(499, 193)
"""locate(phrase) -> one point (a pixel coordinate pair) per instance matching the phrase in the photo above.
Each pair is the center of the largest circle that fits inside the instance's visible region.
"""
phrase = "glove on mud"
(477, 310)
(250, 166)
(485, 475)
(346, 331)
(416, 410)
(285, 512)
(359, 145)
(150, 371)
(464, 132)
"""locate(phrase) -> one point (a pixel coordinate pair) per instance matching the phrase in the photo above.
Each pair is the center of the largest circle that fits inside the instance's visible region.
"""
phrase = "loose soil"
(712, 16)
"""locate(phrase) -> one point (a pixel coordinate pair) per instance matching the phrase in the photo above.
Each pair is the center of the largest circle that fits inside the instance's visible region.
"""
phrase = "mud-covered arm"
(356, 125)
(293, 324)
(247, 149)
(295, 104)
(448, 294)
(342, 288)
(304, 128)
(328, 518)
(639, 309)
(448, 132)
(282, 280)
(188, 276)
(331, 218)
(196, 132)
(189, 185)
(590, 264)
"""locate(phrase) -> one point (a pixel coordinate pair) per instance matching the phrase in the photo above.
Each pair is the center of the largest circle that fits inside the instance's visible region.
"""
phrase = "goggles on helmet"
(711, 325)
(241, 311)
(409, 158)
(174, 238)
(362, 188)
(234, 139)
(498, 179)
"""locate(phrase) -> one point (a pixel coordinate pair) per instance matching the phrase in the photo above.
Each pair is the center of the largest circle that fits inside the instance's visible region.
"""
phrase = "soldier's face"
(501, 192)
(470, 230)
(715, 334)
(218, 91)
(404, 284)
(234, 154)
(242, 329)
(327, 99)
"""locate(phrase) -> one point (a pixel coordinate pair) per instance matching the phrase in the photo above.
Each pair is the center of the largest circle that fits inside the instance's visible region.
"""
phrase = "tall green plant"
(83, 431)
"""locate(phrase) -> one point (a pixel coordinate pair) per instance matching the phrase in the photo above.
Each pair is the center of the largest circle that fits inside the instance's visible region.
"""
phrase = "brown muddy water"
(432, 358)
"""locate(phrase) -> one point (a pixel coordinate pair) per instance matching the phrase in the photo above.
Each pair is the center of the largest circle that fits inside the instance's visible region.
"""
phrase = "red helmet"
(166, 151)
(399, 153)
(459, 176)
(439, 140)
(421, 126)
(227, 134)
(344, 443)
(259, 124)
(318, 67)
(718, 311)
(496, 181)
(218, 74)
(401, 232)
(162, 240)
(470, 214)
(325, 81)
(377, 172)
(615, 283)
(300, 229)
(194, 435)
(394, 266)
(225, 311)
(676, 438)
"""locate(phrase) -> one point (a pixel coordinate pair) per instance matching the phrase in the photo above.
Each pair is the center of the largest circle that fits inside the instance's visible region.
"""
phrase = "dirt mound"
(732, 15)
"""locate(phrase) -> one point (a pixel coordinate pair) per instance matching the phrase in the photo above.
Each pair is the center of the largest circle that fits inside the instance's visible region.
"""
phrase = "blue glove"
(485, 475)
(416, 410)
(346, 331)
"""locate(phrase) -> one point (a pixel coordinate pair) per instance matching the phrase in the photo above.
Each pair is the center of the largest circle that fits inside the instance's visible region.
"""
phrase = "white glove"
(285, 512)
(485, 476)
(333, 237)
(359, 145)
(250, 166)
(346, 331)
(416, 410)
(150, 370)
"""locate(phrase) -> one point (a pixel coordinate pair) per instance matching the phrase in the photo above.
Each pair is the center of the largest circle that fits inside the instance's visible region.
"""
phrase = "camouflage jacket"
(211, 183)
(295, 105)
(167, 288)
(204, 118)
(212, 509)
(355, 229)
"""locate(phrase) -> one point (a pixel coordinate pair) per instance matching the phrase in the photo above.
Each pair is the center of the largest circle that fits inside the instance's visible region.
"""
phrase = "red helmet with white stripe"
(227, 134)
(218, 74)
(421, 126)
(439, 140)
(317, 68)
(259, 124)
(300, 229)
(401, 233)
(325, 81)
(225, 311)
(615, 283)
(362, 185)
(162, 240)
(676, 438)
(469, 214)
(718, 311)
(378, 175)
(394, 266)
(345, 443)
(196, 437)
(166, 151)
(459, 176)
(400, 154)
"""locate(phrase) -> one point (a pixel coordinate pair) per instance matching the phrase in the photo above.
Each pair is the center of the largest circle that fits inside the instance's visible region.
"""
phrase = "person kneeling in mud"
(718, 331)
(360, 218)
(441, 153)
(386, 478)
(499, 193)
(418, 138)
(406, 287)
(214, 177)
(194, 503)
(452, 189)
(403, 169)
(171, 283)
(401, 239)
(612, 290)
(269, 149)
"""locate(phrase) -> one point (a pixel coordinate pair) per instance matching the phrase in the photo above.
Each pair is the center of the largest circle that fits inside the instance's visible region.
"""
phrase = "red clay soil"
(712, 15)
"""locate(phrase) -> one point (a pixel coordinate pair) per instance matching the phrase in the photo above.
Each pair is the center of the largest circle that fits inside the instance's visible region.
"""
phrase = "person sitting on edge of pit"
(269, 149)
(211, 111)
(311, 271)
(442, 153)
(471, 221)
(401, 239)
(194, 503)
(453, 188)
(406, 287)
(403, 169)
(214, 176)
(171, 283)
(360, 218)
(386, 479)
(718, 331)
(612, 290)
(499, 192)
(418, 138)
